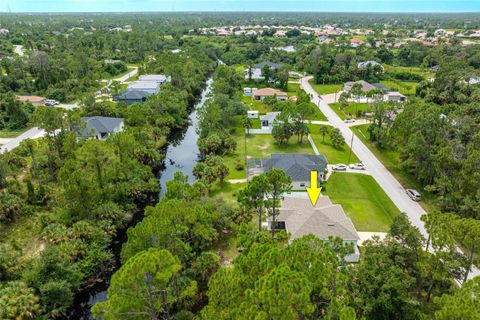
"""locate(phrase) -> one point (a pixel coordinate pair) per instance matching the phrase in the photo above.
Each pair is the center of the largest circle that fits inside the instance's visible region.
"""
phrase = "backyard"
(363, 200)
(404, 87)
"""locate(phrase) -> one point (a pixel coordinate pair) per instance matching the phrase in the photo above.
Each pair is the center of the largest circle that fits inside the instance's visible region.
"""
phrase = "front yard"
(364, 201)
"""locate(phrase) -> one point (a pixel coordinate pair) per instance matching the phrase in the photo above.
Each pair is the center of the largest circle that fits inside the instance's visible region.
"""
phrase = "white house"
(159, 78)
(151, 87)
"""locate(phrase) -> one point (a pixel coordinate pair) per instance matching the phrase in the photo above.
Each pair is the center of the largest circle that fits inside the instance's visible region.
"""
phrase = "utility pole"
(351, 146)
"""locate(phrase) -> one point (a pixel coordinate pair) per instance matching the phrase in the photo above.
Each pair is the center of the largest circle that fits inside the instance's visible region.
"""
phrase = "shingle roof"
(297, 166)
(272, 65)
(269, 92)
(133, 94)
(100, 125)
(365, 86)
(324, 220)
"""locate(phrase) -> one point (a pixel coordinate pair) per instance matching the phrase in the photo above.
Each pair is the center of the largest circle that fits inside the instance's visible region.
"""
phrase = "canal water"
(182, 155)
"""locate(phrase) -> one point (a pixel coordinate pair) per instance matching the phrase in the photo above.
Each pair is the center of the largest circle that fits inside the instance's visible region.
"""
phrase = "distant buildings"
(139, 91)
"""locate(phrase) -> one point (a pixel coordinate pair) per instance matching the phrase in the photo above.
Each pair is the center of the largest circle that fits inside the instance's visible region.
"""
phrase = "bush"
(239, 166)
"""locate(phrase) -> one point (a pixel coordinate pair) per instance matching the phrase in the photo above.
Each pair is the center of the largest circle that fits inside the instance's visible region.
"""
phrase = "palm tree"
(247, 124)
(324, 130)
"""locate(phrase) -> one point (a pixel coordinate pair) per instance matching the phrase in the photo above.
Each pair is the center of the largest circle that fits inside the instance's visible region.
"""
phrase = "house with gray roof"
(257, 69)
(131, 96)
(296, 166)
(366, 87)
(100, 127)
(299, 218)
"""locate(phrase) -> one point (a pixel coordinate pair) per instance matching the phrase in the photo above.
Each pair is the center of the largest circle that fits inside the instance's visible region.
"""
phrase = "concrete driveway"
(33, 133)
(385, 179)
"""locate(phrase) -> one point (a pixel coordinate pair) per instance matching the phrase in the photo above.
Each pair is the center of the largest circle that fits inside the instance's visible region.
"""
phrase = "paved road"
(121, 79)
(33, 133)
(384, 178)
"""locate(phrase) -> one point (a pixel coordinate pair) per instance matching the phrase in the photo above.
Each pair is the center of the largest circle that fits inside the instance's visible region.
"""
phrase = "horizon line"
(237, 11)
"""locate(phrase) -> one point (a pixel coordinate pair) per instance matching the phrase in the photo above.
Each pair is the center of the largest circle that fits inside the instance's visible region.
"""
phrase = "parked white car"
(413, 194)
(340, 167)
(349, 120)
(357, 166)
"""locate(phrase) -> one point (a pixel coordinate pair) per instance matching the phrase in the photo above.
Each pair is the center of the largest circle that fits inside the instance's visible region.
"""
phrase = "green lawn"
(351, 110)
(228, 191)
(391, 160)
(259, 146)
(416, 70)
(12, 133)
(325, 88)
(363, 200)
(404, 87)
(332, 154)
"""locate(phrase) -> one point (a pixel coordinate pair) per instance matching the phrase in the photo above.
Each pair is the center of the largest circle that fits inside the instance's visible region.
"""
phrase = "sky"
(240, 5)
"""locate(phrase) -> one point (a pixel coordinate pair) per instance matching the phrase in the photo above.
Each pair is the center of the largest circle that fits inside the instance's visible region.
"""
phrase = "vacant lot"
(351, 110)
(333, 155)
(363, 200)
(325, 88)
(404, 87)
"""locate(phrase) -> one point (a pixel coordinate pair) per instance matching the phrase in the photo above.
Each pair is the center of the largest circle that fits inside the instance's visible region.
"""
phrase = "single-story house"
(261, 94)
(101, 127)
(296, 166)
(159, 78)
(299, 218)
(252, 114)
(131, 96)
(370, 64)
(394, 96)
(34, 100)
(366, 87)
(257, 69)
(151, 87)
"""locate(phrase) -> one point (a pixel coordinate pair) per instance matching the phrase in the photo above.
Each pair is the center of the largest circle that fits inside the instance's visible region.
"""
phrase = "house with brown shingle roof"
(299, 218)
(261, 94)
(34, 100)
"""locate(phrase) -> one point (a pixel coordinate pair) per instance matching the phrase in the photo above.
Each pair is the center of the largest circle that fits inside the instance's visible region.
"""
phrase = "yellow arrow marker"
(314, 190)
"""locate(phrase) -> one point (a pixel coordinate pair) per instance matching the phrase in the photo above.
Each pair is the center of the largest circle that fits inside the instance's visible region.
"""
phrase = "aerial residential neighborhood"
(218, 162)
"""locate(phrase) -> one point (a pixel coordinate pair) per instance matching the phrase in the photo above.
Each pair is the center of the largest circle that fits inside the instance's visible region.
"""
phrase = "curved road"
(385, 179)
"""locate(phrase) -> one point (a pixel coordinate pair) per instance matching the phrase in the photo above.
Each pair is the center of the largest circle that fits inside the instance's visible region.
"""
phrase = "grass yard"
(228, 191)
(351, 110)
(363, 200)
(325, 88)
(391, 160)
(256, 105)
(415, 70)
(332, 154)
(259, 146)
(404, 87)
(12, 133)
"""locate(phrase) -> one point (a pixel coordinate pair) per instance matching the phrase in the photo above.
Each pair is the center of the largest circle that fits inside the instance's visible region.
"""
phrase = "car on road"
(349, 120)
(413, 194)
(357, 166)
(340, 167)
(51, 103)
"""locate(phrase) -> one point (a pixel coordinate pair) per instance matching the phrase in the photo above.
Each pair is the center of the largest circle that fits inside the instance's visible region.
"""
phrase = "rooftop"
(269, 92)
(100, 125)
(143, 85)
(324, 220)
(365, 85)
(297, 166)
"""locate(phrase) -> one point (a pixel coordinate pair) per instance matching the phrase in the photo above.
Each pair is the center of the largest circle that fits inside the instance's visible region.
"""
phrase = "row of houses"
(146, 85)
